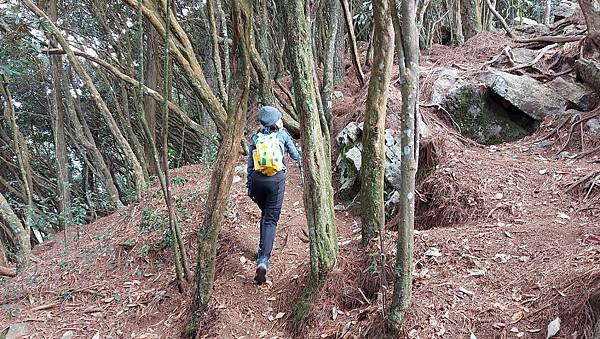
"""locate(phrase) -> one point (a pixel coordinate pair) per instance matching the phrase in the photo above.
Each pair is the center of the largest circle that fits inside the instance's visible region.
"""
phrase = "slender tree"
(409, 141)
(19, 233)
(222, 175)
(99, 101)
(58, 129)
(373, 154)
(547, 12)
(360, 76)
(331, 30)
(318, 192)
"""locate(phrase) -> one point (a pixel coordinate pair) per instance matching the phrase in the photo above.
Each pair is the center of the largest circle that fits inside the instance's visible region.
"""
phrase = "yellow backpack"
(268, 155)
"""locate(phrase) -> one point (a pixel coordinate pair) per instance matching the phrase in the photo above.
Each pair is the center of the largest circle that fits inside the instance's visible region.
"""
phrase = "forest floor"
(522, 254)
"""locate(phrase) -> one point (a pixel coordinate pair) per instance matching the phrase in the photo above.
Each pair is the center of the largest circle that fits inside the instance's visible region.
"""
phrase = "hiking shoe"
(261, 274)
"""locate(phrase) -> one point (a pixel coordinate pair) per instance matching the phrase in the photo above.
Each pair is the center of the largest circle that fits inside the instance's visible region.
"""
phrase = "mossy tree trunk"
(150, 56)
(58, 129)
(318, 192)
(331, 29)
(409, 141)
(17, 232)
(471, 17)
(456, 26)
(373, 153)
(222, 175)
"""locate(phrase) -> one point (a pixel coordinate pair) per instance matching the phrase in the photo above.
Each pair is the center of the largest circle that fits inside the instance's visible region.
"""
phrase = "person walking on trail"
(266, 179)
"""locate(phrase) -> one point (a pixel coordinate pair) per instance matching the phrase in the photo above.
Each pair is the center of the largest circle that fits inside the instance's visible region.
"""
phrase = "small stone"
(17, 331)
(67, 335)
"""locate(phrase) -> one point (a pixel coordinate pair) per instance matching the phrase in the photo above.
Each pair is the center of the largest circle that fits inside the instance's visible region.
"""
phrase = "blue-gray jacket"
(286, 142)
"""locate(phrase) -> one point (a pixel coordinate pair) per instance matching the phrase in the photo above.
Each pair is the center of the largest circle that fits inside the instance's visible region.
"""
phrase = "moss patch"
(482, 119)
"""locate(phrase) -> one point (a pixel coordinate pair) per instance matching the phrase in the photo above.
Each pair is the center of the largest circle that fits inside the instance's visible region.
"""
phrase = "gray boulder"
(565, 9)
(530, 96)
(16, 331)
(480, 118)
(594, 126)
(447, 80)
(580, 95)
(349, 161)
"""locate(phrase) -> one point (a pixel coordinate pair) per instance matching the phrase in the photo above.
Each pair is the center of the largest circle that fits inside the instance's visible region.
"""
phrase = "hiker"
(266, 179)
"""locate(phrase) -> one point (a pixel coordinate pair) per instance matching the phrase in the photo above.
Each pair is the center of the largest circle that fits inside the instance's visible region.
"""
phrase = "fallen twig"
(45, 306)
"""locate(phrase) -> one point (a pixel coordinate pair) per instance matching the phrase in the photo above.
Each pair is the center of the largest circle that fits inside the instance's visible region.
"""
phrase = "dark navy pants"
(267, 192)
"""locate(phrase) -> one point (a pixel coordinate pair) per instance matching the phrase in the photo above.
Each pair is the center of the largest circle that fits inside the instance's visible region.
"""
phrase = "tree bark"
(179, 249)
(265, 89)
(318, 192)
(373, 154)
(591, 11)
(152, 81)
(492, 8)
(85, 139)
(216, 55)
(138, 174)
(222, 176)
(182, 50)
(547, 12)
(456, 25)
(471, 18)
(58, 129)
(331, 30)
(409, 142)
(360, 76)
(17, 233)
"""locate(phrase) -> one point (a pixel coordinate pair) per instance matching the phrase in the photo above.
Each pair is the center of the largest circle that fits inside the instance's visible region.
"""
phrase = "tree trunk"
(591, 11)
(456, 26)
(179, 244)
(222, 175)
(318, 192)
(17, 233)
(339, 62)
(373, 153)
(86, 140)
(265, 89)
(492, 7)
(104, 110)
(471, 18)
(58, 129)
(216, 54)
(151, 80)
(409, 143)
(331, 28)
(547, 12)
(360, 76)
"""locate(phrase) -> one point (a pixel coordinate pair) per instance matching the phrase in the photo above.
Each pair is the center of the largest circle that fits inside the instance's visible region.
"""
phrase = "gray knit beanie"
(268, 116)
